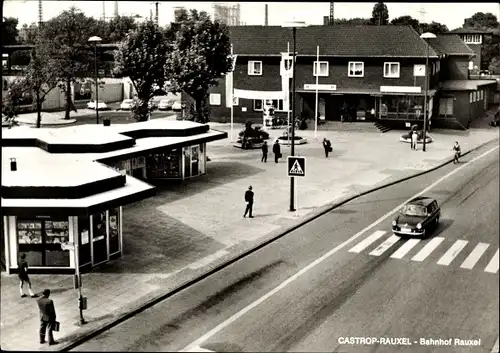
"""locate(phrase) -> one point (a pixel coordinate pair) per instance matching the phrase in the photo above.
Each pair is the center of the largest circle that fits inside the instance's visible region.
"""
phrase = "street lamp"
(294, 25)
(426, 36)
(95, 40)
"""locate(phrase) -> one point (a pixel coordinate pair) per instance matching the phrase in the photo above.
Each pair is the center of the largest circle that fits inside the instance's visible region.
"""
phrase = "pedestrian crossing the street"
(461, 253)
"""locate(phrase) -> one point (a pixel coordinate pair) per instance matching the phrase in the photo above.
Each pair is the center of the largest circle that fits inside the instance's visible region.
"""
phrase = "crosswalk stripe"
(492, 266)
(474, 256)
(403, 250)
(452, 252)
(385, 245)
(427, 249)
(368, 241)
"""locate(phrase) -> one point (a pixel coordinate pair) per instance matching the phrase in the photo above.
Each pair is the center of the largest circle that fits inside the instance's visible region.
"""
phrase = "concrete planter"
(299, 140)
(420, 140)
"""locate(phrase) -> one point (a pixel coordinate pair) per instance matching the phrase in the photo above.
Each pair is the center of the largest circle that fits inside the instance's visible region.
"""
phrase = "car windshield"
(414, 210)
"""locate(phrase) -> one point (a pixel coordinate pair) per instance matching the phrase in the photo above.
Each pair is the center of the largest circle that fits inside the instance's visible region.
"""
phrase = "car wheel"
(436, 222)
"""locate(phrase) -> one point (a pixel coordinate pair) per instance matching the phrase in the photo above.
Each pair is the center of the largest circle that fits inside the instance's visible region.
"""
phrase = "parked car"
(100, 105)
(177, 106)
(152, 104)
(417, 217)
(127, 104)
(165, 104)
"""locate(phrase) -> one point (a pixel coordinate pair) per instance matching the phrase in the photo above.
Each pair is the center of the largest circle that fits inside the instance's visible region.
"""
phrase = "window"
(476, 96)
(446, 107)
(438, 66)
(471, 65)
(391, 70)
(472, 38)
(114, 231)
(257, 105)
(356, 69)
(323, 68)
(278, 104)
(482, 94)
(255, 68)
(471, 97)
(214, 98)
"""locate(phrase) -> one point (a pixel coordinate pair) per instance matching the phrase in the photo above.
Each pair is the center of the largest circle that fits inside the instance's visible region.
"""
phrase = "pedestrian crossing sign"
(296, 166)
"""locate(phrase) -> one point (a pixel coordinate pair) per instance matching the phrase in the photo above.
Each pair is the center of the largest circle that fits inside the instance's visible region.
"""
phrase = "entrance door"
(195, 157)
(186, 156)
(99, 238)
(322, 108)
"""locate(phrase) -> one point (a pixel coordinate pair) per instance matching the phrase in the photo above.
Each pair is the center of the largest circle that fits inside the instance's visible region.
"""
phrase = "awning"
(247, 94)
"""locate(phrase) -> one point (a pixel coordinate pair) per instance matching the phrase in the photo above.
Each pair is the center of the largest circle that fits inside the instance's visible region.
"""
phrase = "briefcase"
(56, 326)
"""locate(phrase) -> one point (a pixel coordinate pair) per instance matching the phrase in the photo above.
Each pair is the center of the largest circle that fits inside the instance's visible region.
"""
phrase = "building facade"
(474, 40)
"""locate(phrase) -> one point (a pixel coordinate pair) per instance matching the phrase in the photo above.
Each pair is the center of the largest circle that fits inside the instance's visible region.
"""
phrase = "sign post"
(296, 167)
(82, 301)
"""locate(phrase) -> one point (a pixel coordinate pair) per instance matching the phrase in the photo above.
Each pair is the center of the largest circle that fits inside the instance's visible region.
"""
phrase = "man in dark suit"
(276, 151)
(47, 317)
(249, 201)
(264, 152)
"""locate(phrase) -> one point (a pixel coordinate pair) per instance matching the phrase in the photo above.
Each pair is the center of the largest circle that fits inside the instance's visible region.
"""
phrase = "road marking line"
(427, 249)
(495, 347)
(316, 262)
(452, 252)
(474, 256)
(492, 266)
(403, 250)
(199, 349)
(368, 241)
(385, 245)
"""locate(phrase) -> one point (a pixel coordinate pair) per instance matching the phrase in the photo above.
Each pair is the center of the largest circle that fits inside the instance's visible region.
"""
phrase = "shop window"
(164, 165)
(391, 70)
(446, 107)
(99, 238)
(323, 68)
(356, 69)
(41, 241)
(255, 68)
(114, 231)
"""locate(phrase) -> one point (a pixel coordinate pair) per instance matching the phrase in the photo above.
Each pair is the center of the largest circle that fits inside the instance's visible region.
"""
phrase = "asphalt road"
(310, 290)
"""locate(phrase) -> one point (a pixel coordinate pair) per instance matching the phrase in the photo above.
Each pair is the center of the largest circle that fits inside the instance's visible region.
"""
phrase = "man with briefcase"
(47, 317)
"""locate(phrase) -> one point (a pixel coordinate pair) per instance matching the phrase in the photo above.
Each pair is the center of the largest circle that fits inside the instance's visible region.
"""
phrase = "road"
(324, 283)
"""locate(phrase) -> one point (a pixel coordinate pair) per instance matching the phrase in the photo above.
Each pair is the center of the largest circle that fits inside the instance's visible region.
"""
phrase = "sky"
(252, 13)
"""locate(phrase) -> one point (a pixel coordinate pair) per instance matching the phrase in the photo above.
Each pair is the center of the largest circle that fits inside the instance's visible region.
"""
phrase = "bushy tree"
(118, 27)
(380, 14)
(352, 21)
(141, 57)
(200, 56)
(433, 27)
(9, 30)
(494, 66)
(68, 35)
(406, 21)
(13, 98)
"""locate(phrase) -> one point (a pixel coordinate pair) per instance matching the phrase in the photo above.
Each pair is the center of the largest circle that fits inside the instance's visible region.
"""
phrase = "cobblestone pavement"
(191, 226)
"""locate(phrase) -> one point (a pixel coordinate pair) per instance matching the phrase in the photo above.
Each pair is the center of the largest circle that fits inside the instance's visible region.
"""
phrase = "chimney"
(326, 20)
(266, 18)
(13, 164)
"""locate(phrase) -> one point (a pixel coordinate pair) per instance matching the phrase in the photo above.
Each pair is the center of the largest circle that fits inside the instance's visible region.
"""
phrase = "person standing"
(265, 149)
(414, 139)
(327, 145)
(23, 277)
(47, 317)
(249, 201)
(276, 151)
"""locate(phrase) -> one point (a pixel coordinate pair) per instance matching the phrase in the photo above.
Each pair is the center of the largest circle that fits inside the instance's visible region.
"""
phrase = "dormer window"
(255, 68)
(472, 38)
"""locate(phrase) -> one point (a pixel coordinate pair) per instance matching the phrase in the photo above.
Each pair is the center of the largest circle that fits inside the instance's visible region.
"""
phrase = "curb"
(280, 233)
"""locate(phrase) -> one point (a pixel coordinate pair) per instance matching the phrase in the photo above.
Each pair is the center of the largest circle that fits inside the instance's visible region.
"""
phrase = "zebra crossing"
(418, 250)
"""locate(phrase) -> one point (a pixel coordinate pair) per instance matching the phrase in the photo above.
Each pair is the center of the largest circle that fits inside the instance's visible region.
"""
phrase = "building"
(474, 40)
(62, 203)
(228, 14)
(362, 69)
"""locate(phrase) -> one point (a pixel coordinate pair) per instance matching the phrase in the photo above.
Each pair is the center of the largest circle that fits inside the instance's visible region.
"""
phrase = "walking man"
(327, 145)
(249, 201)
(47, 317)
(265, 149)
(276, 151)
(23, 277)
(414, 138)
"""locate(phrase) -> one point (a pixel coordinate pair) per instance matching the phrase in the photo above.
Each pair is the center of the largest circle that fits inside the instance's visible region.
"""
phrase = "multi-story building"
(361, 70)
(474, 40)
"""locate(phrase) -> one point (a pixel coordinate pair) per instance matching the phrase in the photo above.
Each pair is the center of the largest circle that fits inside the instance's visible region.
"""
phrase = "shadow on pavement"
(443, 225)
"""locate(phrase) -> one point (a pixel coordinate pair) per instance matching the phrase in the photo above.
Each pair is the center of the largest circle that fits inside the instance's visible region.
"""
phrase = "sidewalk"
(191, 227)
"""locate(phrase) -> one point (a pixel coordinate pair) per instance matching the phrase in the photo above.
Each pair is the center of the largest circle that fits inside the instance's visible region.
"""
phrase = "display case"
(165, 165)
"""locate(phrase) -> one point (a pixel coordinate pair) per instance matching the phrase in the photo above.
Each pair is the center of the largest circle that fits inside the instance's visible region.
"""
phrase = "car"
(100, 105)
(165, 104)
(127, 104)
(152, 104)
(177, 106)
(417, 218)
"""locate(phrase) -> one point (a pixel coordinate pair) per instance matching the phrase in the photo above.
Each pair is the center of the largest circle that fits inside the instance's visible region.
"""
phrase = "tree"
(380, 14)
(494, 66)
(433, 27)
(141, 57)
(406, 21)
(199, 58)
(118, 28)
(29, 33)
(69, 33)
(352, 21)
(486, 22)
(481, 20)
(9, 31)
(13, 98)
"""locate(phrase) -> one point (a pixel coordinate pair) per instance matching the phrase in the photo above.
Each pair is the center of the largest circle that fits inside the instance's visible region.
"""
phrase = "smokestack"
(266, 17)
(104, 10)
(116, 9)
(156, 13)
(40, 13)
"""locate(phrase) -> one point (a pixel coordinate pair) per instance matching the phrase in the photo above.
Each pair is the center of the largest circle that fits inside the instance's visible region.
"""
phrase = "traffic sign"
(296, 166)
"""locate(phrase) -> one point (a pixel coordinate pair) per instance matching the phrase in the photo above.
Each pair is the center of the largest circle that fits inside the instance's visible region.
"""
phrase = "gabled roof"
(468, 31)
(450, 44)
(339, 40)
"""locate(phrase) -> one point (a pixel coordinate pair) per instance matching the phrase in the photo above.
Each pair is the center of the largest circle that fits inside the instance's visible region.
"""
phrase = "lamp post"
(293, 25)
(95, 40)
(426, 36)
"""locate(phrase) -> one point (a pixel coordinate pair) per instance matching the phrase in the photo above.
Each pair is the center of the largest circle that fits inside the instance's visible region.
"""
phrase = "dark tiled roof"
(450, 44)
(338, 40)
(468, 31)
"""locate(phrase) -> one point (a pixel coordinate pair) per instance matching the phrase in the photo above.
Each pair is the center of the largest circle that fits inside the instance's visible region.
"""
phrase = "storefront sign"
(400, 89)
(320, 87)
(247, 94)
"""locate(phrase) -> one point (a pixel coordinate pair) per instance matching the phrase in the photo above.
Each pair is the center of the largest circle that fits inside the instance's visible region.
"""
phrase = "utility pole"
(40, 13)
(104, 11)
